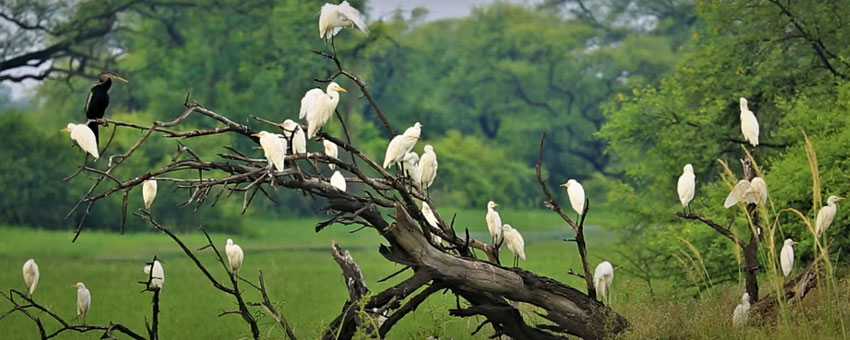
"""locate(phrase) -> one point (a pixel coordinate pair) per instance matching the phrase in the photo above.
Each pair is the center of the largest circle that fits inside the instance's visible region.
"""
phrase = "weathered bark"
(751, 262)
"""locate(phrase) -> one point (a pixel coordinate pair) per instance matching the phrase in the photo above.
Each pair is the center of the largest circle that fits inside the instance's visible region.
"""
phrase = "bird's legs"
(333, 46)
(516, 261)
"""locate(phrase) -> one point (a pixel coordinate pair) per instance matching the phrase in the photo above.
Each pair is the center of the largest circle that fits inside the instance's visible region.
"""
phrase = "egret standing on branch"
(331, 150)
(402, 144)
(84, 137)
(98, 100)
(234, 255)
(686, 186)
(603, 276)
(148, 192)
(83, 300)
(826, 214)
(786, 256)
(410, 166)
(334, 18)
(494, 221)
(427, 167)
(749, 123)
(158, 275)
(759, 189)
(515, 243)
(31, 275)
(294, 132)
(318, 107)
(741, 312)
(338, 181)
(576, 193)
(274, 147)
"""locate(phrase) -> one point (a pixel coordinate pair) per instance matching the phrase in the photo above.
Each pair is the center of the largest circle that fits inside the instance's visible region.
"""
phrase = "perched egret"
(234, 255)
(318, 107)
(84, 137)
(31, 275)
(427, 167)
(148, 192)
(158, 276)
(410, 165)
(333, 18)
(98, 100)
(749, 124)
(826, 214)
(294, 132)
(786, 256)
(331, 150)
(758, 187)
(515, 243)
(742, 310)
(576, 193)
(686, 186)
(401, 145)
(432, 220)
(83, 300)
(741, 192)
(338, 181)
(274, 147)
(494, 221)
(603, 276)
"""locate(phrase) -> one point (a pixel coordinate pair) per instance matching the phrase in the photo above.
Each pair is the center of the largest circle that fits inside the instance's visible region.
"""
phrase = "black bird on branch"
(98, 99)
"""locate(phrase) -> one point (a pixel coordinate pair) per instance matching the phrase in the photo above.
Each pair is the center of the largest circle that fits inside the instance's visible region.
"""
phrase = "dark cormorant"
(98, 99)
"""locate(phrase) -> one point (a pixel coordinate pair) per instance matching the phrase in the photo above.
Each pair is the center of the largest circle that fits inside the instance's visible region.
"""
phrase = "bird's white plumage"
(410, 165)
(83, 299)
(334, 17)
(431, 219)
(741, 192)
(826, 214)
(31, 275)
(274, 148)
(741, 312)
(318, 107)
(749, 123)
(427, 167)
(786, 256)
(331, 150)
(293, 131)
(576, 193)
(338, 181)
(148, 192)
(514, 241)
(84, 137)
(603, 276)
(402, 144)
(234, 255)
(687, 185)
(494, 221)
(758, 188)
(158, 275)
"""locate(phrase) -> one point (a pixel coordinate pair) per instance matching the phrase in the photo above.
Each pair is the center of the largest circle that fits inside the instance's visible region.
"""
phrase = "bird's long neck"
(105, 85)
(334, 97)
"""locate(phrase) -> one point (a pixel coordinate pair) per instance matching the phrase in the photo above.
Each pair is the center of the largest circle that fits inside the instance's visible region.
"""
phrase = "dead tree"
(487, 288)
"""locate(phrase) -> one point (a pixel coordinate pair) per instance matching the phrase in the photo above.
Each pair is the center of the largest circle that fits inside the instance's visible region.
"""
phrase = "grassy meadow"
(295, 260)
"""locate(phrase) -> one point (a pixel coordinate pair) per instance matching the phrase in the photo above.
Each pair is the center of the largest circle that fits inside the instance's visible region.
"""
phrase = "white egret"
(749, 123)
(158, 275)
(410, 165)
(234, 255)
(786, 256)
(331, 150)
(741, 192)
(274, 147)
(686, 186)
(294, 132)
(494, 221)
(427, 167)
(432, 220)
(84, 137)
(83, 300)
(515, 243)
(758, 187)
(401, 145)
(338, 181)
(31, 275)
(148, 192)
(603, 276)
(576, 193)
(318, 107)
(826, 214)
(334, 18)
(742, 310)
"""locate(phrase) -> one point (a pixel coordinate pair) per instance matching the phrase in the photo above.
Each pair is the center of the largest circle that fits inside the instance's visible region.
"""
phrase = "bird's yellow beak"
(339, 88)
(795, 243)
(495, 204)
(74, 286)
(566, 185)
(255, 134)
(117, 77)
(65, 130)
(839, 199)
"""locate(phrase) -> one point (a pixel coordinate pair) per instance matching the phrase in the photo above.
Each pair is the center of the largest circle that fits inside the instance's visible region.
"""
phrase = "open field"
(295, 261)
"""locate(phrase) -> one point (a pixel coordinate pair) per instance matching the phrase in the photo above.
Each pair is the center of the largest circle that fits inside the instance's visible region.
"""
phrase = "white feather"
(84, 137)
(427, 167)
(31, 275)
(749, 123)
(294, 132)
(148, 192)
(331, 150)
(687, 185)
(234, 255)
(334, 17)
(338, 181)
(401, 145)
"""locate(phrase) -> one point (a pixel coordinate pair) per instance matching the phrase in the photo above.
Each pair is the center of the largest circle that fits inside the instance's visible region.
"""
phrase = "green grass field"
(295, 260)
